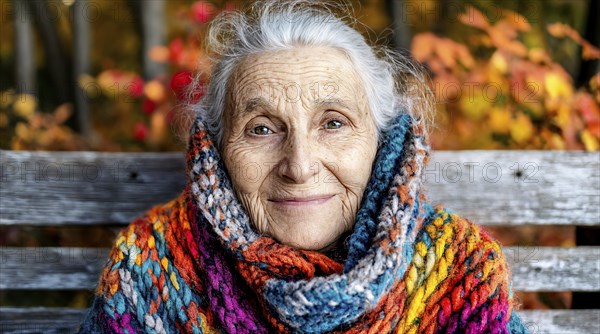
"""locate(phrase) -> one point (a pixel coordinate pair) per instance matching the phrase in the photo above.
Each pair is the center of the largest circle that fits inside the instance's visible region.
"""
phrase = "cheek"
(246, 169)
(353, 161)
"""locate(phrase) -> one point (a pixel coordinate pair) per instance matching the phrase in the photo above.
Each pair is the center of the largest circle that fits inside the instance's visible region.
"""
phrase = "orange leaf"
(561, 30)
(464, 55)
(474, 18)
(422, 46)
(558, 30)
(62, 113)
(445, 50)
(516, 20)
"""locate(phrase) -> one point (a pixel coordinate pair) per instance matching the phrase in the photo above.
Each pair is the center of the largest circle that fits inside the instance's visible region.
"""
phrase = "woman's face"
(299, 144)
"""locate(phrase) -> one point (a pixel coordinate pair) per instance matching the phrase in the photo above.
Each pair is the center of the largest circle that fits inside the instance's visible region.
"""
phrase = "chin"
(309, 242)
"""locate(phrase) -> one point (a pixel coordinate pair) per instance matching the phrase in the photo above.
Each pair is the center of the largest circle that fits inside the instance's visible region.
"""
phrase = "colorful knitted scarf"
(196, 265)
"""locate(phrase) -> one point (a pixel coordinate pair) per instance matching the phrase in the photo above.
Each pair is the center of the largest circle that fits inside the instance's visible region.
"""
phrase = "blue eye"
(262, 130)
(335, 123)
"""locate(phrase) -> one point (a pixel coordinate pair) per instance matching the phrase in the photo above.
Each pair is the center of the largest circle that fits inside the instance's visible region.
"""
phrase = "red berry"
(176, 49)
(140, 131)
(136, 87)
(180, 82)
(202, 11)
(148, 106)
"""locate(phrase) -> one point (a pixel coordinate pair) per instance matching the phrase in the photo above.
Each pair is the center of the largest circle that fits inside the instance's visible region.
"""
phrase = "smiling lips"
(302, 201)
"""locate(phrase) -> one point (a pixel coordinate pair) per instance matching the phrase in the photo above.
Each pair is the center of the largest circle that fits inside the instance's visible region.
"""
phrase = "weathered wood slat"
(518, 187)
(84, 188)
(51, 268)
(534, 268)
(561, 321)
(489, 187)
(40, 320)
(66, 320)
(554, 268)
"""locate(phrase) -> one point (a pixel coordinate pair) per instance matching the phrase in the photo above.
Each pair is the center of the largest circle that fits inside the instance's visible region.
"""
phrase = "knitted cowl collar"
(298, 290)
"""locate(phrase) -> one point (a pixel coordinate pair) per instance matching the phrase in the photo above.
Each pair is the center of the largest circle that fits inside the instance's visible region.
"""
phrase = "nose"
(299, 164)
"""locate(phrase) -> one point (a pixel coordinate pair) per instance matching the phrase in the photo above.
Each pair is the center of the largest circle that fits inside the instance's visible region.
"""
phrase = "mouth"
(302, 201)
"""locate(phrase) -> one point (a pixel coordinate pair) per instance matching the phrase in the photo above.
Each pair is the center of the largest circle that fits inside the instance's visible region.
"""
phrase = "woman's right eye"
(260, 130)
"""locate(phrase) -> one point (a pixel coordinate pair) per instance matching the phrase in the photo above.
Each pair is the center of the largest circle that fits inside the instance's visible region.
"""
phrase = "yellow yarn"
(151, 242)
(173, 279)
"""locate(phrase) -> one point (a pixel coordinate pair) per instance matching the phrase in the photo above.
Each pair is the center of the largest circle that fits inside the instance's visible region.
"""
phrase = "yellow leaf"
(474, 105)
(563, 116)
(588, 140)
(24, 105)
(500, 120)
(499, 62)
(556, 86)
(521, 129)
(558, 143)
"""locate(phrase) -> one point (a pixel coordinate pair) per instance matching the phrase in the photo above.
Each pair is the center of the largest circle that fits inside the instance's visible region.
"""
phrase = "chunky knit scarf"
(196, 265)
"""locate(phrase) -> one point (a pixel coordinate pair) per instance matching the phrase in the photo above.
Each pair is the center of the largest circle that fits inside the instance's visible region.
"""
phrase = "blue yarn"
(323, 318)
(376, 191)
(516, 325)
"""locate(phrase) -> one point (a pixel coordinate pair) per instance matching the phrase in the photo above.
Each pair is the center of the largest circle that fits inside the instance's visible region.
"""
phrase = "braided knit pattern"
(196, 265)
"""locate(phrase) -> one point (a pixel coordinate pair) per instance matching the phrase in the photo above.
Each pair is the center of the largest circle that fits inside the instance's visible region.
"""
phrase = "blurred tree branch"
(402, 33)
(24, 50)
(57, 61)
(592, 34)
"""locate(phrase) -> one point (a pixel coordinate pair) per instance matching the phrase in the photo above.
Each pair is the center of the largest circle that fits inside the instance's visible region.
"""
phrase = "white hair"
(393, 83)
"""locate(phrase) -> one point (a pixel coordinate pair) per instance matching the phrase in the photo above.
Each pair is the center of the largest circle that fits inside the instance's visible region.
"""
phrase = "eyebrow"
(260, 102)
(254, 103)
(327, 103)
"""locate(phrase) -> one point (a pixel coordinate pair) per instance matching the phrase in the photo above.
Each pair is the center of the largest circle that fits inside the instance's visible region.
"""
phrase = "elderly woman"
(303, 211)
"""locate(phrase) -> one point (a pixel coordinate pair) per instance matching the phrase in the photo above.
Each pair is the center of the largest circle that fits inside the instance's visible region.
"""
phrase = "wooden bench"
(509, 188)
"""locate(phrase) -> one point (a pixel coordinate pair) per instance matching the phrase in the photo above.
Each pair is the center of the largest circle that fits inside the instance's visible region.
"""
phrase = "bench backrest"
(507, 188)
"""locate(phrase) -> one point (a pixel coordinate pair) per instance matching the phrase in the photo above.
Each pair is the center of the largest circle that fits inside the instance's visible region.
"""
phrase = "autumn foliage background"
(504, 76)
(498, 82)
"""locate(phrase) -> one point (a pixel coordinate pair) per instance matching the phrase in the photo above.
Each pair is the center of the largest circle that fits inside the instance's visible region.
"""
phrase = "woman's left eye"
(333, 124)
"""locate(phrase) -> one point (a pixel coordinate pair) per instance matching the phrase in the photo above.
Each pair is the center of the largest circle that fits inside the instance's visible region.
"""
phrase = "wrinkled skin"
(298, 125)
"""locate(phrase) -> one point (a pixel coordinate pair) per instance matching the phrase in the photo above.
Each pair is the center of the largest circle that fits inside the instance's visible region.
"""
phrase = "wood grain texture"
(40, 320)
(85, 188)
(561, 321)
(517, 187)
(488, 187)
(554, 268)
(66, 320)
(534, 268)
(51, 268)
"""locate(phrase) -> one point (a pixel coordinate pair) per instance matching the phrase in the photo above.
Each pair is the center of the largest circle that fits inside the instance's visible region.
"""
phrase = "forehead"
(317, 73)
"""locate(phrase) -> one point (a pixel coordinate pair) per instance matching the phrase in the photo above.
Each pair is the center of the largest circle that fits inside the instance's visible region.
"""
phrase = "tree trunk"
(81, 68)
(56, 60)
(24, 50)
(592, 34)
(400, 20)
(153, 34)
